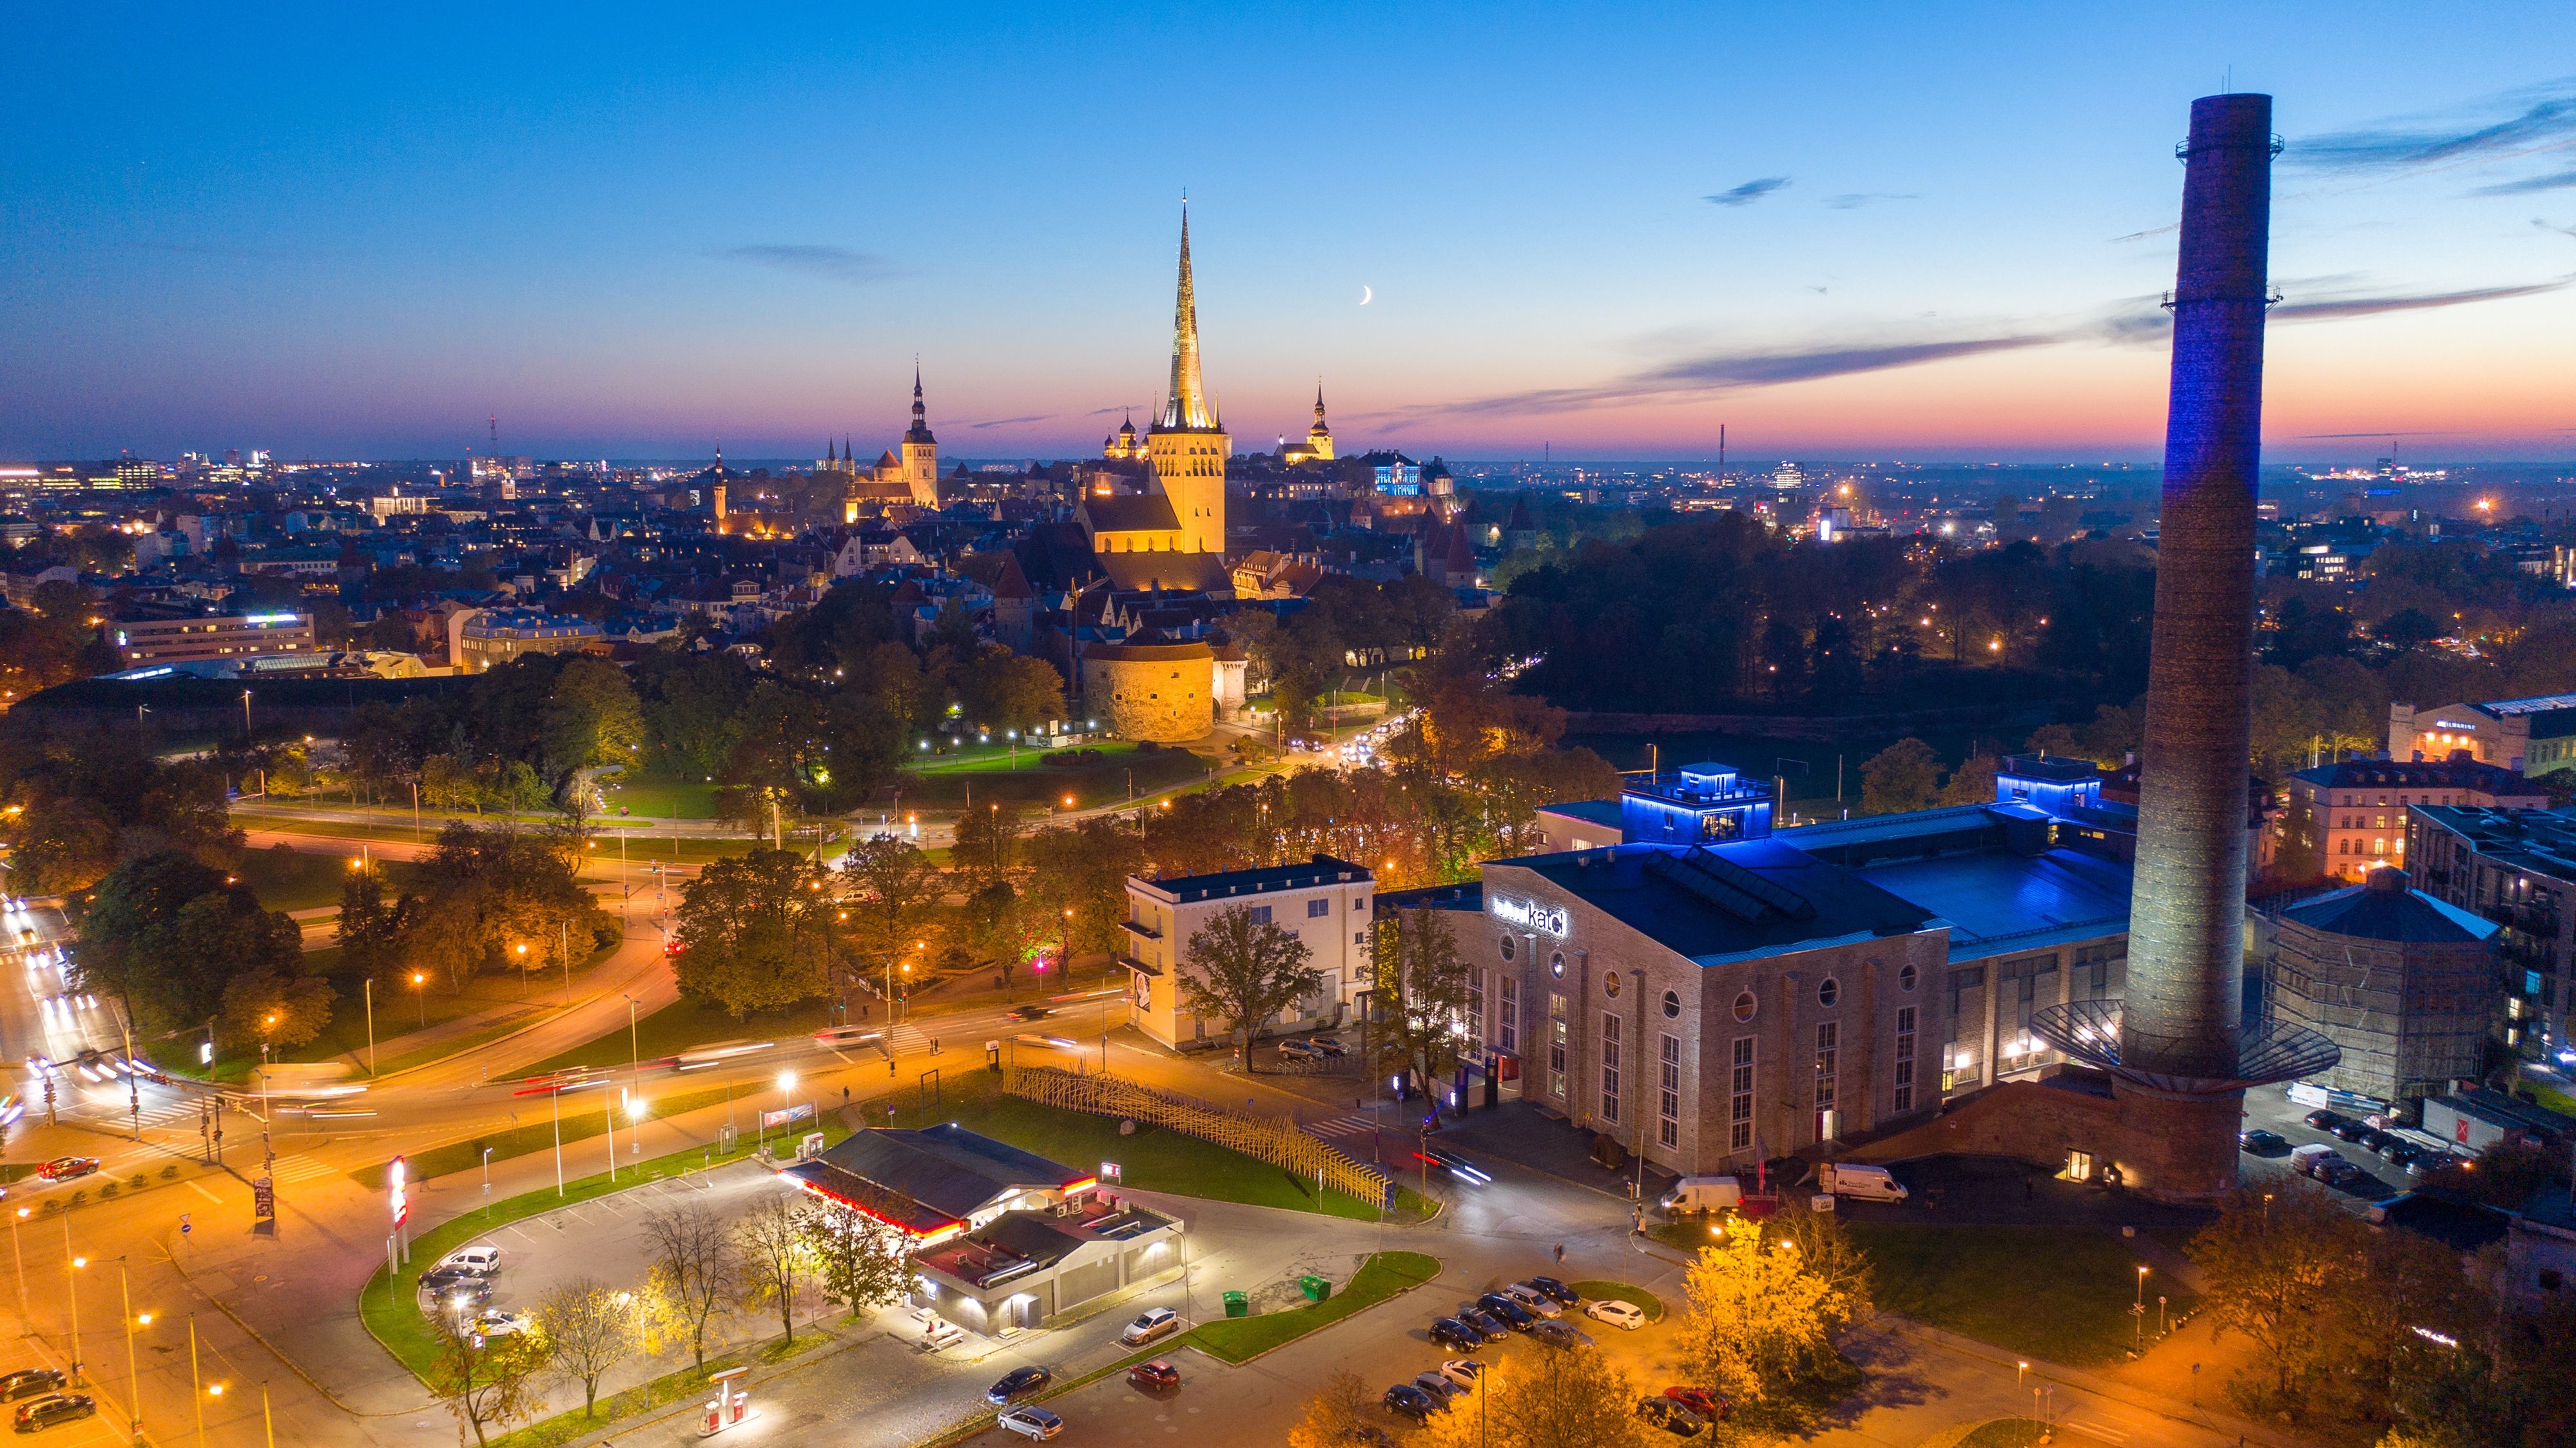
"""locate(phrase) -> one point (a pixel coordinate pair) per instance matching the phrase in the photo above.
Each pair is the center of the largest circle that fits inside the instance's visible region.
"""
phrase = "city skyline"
(655, 242)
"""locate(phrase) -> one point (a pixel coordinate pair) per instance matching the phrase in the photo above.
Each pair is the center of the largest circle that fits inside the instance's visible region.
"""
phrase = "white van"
(1703, 1194)
(1865, 1183)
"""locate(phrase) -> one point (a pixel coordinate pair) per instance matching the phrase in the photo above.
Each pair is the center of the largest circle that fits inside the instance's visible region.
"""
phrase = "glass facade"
(1962, 1063)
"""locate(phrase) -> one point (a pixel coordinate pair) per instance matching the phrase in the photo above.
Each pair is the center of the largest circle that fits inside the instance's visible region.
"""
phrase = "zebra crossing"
(1356, 1123)
(295, 1168)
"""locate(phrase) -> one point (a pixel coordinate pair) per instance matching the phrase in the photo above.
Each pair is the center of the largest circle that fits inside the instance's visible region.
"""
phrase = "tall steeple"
(1187, 406)
(920, 419)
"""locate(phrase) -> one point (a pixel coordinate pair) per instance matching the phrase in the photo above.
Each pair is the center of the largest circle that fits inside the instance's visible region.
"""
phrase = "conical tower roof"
(1186, 407)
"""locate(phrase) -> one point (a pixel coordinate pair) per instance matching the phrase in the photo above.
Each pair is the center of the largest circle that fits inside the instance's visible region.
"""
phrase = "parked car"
(1703, 1401)
(437, 1278)
(2304, 1159)
(1332, 1049)
(1670, 1416)
(1029, 1013)
(1368, 1435)
(503, 1324)
(28, 1382)
(38, 1414)
(1626, 1316)
(2397, 1149)
(1557, 1290)
(1411, 1401)
(484, 1260)
(64, 1168)
(1030, 1422)
(1438, 1386)
(1154, 1376)
(1457, 1167)
(1299, 1051)
(1493, 1328)
(2341, 1173)
(463, 1299)
(1018, 1383)
(2261, 1142)
(1514, 1316)
(2352, 1131)
(1451, 1332)
(1462, 1371)
(1534, 1301)
(2323, 1120)
(2375, 1141)
(1156, 1323)
(1559, 1334)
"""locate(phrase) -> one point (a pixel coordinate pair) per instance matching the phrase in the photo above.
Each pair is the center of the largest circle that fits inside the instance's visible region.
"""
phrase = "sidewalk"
(1518, 1132)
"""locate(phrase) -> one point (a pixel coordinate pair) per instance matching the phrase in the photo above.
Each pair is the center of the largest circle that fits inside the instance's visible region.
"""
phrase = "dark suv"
(54, 1408)
(1517, 1317)
(1450, 1332)
(28, 1382)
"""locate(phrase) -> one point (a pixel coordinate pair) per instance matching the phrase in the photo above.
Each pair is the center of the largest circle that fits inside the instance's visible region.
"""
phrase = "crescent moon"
(1365, 294)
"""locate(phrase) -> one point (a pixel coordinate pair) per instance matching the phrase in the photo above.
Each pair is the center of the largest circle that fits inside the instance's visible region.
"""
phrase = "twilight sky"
(1928, 232)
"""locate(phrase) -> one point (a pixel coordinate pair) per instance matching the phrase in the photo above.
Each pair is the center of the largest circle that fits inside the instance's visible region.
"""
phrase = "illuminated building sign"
(262, 619)
(1530, 915)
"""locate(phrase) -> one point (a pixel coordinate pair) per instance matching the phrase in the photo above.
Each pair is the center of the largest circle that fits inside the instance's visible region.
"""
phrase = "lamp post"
(786, 1087)
(196, 1385)
(2138, 1313)
(370, 984)
(18, 1251)
(487, 1181)
(420, 992)
(71, 1289)
(133, 1381)
(268, 1425)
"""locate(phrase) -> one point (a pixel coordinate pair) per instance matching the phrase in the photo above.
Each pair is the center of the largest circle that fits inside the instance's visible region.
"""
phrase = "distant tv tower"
(495, 421)
(1721, 452)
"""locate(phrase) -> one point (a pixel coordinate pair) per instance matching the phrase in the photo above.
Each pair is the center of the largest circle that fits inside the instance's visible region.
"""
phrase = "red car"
(1699, 1400)
(1154, 1376)
(64, 1168)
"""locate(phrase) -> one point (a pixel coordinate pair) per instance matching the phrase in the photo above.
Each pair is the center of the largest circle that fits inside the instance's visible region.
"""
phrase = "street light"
(420, 992)
(71, 1285)
(133, 1382)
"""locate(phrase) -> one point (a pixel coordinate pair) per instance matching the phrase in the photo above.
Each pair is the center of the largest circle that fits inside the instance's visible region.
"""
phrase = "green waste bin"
(1317, 1288)
(1237, 1305)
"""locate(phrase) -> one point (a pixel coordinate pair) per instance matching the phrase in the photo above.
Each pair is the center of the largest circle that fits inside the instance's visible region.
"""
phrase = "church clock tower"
(921, 452)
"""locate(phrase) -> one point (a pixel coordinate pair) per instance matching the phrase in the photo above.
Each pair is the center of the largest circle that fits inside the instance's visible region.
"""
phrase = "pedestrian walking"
(1560, 1254)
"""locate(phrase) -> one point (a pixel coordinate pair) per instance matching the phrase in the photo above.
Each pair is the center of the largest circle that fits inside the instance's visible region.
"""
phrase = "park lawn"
(1238, 1340)
(662, 796)
(1595, 1290)
(286, 878)
(585, 1116)
(685, 1025)
(1092, 784)
(1152, 1160)
(391, 1312)
(2059, 1293)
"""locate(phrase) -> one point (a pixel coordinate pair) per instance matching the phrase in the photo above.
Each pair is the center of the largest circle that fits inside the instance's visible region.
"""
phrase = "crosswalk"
(1352, 1124)
(294, 1168)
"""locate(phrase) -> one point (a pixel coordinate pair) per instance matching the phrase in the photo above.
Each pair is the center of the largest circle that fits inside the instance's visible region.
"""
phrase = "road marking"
(2104, 1432)
(200, 1189)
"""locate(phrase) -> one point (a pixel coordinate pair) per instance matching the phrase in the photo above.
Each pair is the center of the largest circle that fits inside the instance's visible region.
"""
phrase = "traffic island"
(1637, 1297)
(1238, 1340)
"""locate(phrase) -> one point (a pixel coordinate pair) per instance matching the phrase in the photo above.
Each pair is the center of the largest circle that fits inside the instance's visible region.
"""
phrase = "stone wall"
(1163, 692)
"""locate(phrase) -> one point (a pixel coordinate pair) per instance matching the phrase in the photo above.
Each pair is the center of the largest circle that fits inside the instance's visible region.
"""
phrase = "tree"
(1899, 777)
(1246, 970)
(280, 1007)
(862, 1263)
(695, 1272)
(370, 943)
(592, 717)
(893, 891)
(988, 844)
(487, 1382)
(1419, 996)
(590, 1328)
(1083, 870)
(1973, 782)
(1757, 1319)
(2272, 1264)
(1334, 1416)
(774, 1256)
(1574, 1398)
(168, 934)
(757, 932)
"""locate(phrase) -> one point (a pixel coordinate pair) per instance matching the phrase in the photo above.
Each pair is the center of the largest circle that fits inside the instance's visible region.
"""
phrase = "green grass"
(393, 1315)
(1639, 1297)
(661, 796)
(2004, 1433)
(1152, 1160)
(948, 782)
(482, 1035)
(2060, 1293)
(1238, 1340)
(291, 879)
(584, 1119)
(2551, 1097)
(685, 1025)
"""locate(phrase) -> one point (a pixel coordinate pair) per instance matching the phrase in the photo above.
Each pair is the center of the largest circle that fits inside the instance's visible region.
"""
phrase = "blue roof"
(2403, 915)
(1995, 900)
(1321, 870)
(1728, 902)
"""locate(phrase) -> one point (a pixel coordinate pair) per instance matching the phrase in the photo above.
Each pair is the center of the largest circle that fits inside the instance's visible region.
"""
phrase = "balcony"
(2537, 920)
(1140, 928)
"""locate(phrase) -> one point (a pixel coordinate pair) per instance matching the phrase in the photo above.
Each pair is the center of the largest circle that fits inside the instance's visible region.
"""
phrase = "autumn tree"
(590, 1328)
(758, 932)
(591, 718)
(1418, 999)
(987, 849)
(893, 892)
(1900, 777)
(1757, 1319)
(1083, 870)
(2272, 1265)
(862, 1264)
(1246, 970)
(1335, 1417)
(280, 1005)
(774, 1256)
(695, 1272)
(1574, 1398)
(167, 934)
(487, 1382)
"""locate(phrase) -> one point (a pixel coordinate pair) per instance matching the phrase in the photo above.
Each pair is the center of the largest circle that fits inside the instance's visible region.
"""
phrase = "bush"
(170, 1173)
(106, 1192)
(140, 1181)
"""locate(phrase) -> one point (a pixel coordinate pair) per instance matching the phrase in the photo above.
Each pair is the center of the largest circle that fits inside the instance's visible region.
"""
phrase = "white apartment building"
(1324, 902)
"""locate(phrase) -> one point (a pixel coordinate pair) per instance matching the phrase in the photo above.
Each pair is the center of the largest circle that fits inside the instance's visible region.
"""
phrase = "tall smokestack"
(2184, 1010)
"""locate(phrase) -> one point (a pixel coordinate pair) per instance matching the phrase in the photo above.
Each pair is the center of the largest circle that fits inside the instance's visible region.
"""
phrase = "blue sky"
(1844, 231)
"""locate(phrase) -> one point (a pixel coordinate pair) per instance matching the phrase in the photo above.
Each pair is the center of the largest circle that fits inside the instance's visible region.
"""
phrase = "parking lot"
(2271, 1109)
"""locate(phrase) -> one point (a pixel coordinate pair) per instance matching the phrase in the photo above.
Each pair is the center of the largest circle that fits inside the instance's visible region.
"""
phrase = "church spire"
(1187, 406)
(920, 419)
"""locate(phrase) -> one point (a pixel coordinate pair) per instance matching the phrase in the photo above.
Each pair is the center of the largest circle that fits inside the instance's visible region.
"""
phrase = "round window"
(1509, 945)
(1744, 1006)
(1906, 976)
(1556, 965)
(1610, 985)
(1828, 991)
(1672, 1005)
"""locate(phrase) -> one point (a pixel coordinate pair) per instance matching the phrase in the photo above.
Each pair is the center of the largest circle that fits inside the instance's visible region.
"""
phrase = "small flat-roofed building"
(224, 637)
(1006, 1238)
(485, 638)
(2528, 736)
(1324, 902)
(2478, 1118)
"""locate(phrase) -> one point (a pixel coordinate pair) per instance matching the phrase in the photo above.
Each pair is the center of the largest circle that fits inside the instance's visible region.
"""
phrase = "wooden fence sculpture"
(1277, 1140)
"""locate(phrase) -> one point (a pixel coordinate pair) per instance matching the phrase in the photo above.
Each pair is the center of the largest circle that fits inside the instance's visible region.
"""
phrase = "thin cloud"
(1749, 192)
(2132, 321)
(1009, 421)
(1113, 411)
(2554, 181)
(2548, 226)
(2307, 435)
(1852, 200)
(826, 263)
(2167, 229)
(2547, 118)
